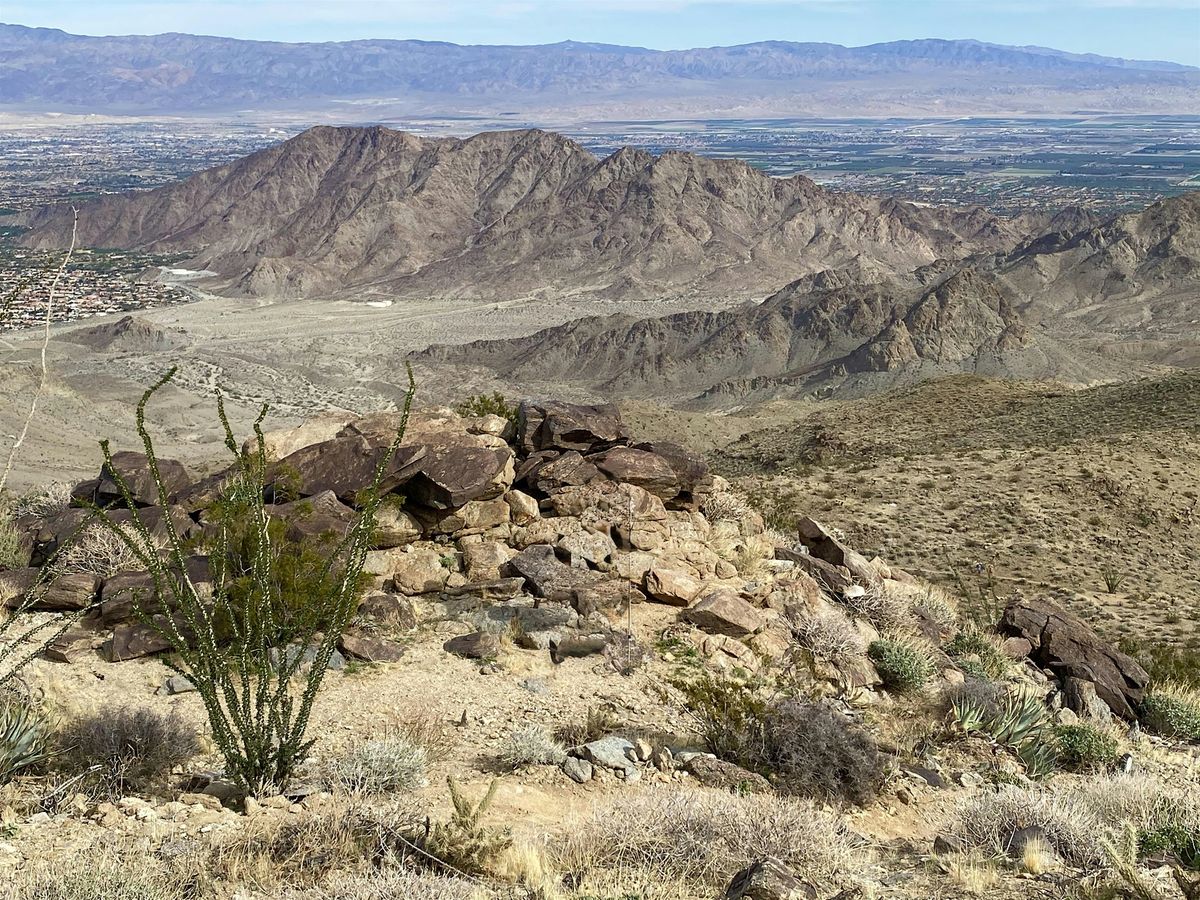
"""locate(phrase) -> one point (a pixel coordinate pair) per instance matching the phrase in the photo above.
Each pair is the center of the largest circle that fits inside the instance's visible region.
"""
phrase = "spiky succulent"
(24, 739)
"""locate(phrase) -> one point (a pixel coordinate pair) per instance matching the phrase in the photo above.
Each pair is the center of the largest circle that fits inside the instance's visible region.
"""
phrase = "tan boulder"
(418, 570)
(722, 611)
(675, 587)
(523, 508)
(484, 559)
(395, 527)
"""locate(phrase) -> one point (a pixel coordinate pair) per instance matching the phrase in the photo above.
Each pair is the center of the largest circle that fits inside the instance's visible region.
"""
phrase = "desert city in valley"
(600, 450)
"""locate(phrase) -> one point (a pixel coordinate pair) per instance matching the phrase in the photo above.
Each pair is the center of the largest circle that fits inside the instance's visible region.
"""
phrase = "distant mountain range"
(369, 211)
(180, 74)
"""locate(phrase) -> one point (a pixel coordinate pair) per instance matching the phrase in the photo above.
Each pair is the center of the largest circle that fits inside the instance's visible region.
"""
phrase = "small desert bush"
(1075, 817)
(1084, 747)
(385, 884)
(487, 405)
(99, 550)
(888, 608)
(817, 752)
(379, 765)
(811, 750)
(1164, 661)
(978, 653)
(705, 837)
(338, 835)
(1175, 839)
(99, 875)
(43, 501)
(725, 506)
(937, 606)
(597, 723)
(531, 745)
(728, 714)
(828, 635)
(902, 664)
(1173, 710)
(12, 554)
(24, 738)
(127, 748)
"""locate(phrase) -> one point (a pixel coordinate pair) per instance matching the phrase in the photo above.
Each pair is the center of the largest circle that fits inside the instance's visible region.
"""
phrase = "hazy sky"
(1148, 29)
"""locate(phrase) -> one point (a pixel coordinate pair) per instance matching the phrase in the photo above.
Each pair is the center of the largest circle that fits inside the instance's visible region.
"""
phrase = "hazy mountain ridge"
(1129, 287)
(181, 73)
(361, 211)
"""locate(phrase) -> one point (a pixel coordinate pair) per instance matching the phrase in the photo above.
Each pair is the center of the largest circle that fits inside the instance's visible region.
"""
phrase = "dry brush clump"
(887, 607)
(386, 764)
(531, 745)
(703, 838)
(12, 551)
(1074, 818)
(817, 752)
(829, 634)
(811, 750)
(101, 551)
(123, 748)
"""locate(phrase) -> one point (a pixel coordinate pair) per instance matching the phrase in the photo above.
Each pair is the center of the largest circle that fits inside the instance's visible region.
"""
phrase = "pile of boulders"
(546, 527)
(541, 531)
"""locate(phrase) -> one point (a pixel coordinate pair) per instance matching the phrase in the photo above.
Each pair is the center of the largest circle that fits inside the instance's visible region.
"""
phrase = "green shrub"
(1172, 838)
(978, 653)
(227, 643)
(24, 739)
(487, 405)
(127, 748)
(728, 712)
(902, 665)
(1173, 710)
(1165, 662)
(1084, 748)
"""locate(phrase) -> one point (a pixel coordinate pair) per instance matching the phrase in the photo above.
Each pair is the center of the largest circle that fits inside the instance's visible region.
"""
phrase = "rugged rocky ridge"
(368, 211)
(1045, 310)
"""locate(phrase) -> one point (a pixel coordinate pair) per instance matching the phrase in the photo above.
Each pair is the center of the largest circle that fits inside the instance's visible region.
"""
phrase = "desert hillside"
(578, 665)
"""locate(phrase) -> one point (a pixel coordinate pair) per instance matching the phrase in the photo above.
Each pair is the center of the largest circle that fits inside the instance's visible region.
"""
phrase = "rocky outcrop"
(1066, 645)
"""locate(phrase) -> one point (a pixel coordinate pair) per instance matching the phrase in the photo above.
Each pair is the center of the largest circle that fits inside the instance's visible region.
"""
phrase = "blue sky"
(1147, 29)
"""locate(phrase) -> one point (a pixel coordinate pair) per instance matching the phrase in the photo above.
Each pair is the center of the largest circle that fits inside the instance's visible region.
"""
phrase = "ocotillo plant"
(256, 660)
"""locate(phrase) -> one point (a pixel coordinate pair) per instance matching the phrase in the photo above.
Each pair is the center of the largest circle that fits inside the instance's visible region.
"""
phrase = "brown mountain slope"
(1132, 283)
(355, 211)
(1045, 311)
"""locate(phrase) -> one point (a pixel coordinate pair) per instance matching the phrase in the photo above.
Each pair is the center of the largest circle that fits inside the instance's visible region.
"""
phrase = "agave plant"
(23, 739)
(968, 714)
(1022, 718)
